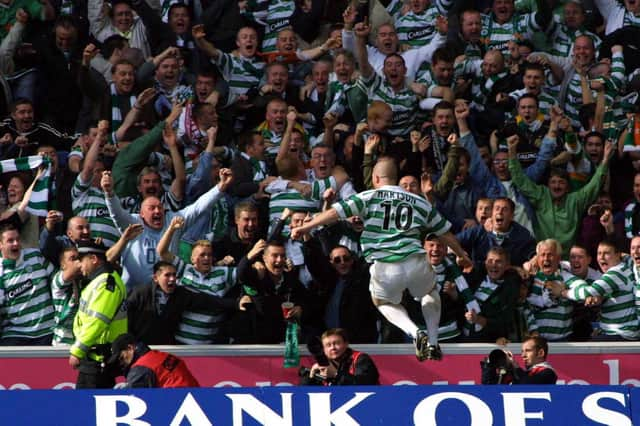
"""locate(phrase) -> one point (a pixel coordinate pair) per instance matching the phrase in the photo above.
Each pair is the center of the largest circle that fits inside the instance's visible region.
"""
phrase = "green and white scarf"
(38, 203)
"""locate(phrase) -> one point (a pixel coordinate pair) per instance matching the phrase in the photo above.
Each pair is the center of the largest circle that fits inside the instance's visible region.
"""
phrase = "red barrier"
(603, 369)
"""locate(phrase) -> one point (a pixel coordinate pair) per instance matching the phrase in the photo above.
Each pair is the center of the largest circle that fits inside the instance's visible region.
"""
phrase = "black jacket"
(364, 372)
(263, 322)
(539, 374)
(40, 134)
(357, 313)
(147, 326)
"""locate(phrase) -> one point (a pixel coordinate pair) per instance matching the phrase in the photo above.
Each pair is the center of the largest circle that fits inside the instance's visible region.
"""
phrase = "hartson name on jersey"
(391, 195)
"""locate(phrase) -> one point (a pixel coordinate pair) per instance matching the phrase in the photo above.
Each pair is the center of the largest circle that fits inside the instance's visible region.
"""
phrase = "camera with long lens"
(497, 368)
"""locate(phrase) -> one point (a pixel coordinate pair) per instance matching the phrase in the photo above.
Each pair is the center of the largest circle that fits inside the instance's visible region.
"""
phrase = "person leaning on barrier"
(341, 366)
(146, 368)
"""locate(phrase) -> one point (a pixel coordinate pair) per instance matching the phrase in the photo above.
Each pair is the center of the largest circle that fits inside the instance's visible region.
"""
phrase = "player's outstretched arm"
(327, 217)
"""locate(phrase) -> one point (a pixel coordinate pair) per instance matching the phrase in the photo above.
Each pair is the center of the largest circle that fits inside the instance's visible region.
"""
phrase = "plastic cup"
(286, 308)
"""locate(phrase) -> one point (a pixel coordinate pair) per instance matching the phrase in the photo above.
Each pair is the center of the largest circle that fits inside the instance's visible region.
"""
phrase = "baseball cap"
(90, 247)
(119, 344)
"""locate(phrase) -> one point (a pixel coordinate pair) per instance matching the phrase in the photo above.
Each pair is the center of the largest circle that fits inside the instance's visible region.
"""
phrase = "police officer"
(146, 368)
(100, 319)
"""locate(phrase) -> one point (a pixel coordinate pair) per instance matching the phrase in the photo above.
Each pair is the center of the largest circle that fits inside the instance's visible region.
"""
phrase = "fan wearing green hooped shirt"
(26, 310)
(278, 17)
(615, 290)
(387, 43)
(201, 275)
(452, 286)
(87, 196)
(243, 71)
(391, 89)
(416, 28)
(394, 222)
(504, 24)
(548, 315)
(65, 293)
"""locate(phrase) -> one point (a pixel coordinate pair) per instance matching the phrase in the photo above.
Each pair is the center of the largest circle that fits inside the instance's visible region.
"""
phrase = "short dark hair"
(508, 201)
(442, 105)
(20, 101)
(245, 139)
(65, 251)
(533, 66)
(442, 54)
(391, 55)
(274, 243)
(178, 5)
(528, 96)
(596, 134)
(8, 227)
(558, 172)
(162, 264)
(539, 342)
(112, 43)
(606, 242)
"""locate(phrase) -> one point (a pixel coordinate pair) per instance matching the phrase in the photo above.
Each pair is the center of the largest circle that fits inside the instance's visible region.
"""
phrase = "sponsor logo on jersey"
(421, 33)
(279, 25)
(12, 294)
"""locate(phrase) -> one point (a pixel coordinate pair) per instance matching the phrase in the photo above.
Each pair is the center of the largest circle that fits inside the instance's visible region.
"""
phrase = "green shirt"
(557, 221)
(8, 13)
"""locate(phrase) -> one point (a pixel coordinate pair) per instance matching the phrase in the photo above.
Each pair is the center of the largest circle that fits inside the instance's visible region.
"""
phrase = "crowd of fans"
(191, 136)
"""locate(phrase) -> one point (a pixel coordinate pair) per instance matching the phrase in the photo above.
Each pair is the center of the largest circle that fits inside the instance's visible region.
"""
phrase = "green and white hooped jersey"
(618, 312)
(445, 271)
(25, 296)
(550, 316)
(497, 36)
(394, 222)
(65, 296)
(278, 15)
(295, 201)
(404, 104)
(197, 328)
(418, 29)
(562, 39)
(88, 202)
(241, 73)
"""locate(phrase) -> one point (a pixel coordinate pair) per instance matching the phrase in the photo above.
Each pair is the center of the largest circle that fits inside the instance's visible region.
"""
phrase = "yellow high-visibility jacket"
(102, 315)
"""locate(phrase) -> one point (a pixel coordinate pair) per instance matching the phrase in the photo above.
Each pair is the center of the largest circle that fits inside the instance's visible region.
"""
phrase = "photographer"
(500, 367)
(342, 365)
(537, 370)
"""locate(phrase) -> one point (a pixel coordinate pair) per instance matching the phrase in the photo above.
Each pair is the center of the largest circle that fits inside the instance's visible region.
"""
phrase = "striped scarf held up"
(38, 203)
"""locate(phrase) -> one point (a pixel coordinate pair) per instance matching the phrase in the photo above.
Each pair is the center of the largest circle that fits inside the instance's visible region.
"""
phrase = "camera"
(497, 368)
(314, 346)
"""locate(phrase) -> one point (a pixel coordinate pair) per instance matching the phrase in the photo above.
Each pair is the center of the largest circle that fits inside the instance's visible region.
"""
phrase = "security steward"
(341, 366)
(146, 368)
(100, 319)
